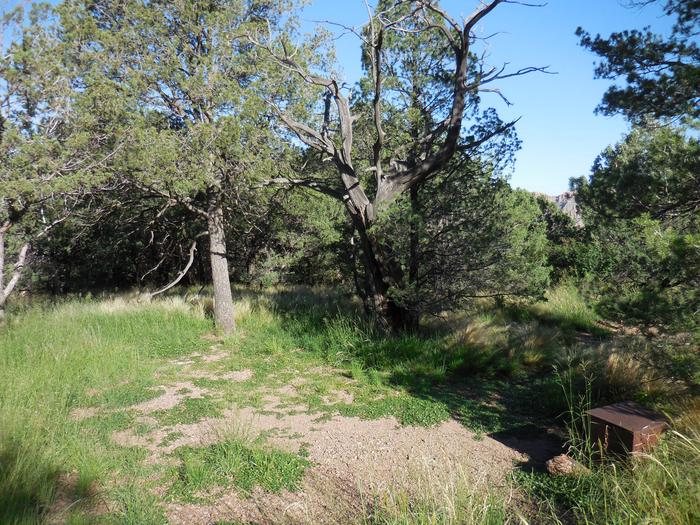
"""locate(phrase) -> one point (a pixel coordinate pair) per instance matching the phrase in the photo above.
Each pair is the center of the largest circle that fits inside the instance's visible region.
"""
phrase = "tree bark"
(223, 299)
(389, 316)
(392, 318)
(438, 143)
(7, 289)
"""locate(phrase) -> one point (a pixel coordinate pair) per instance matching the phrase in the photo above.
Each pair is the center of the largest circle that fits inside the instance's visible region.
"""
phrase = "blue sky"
(561, 135)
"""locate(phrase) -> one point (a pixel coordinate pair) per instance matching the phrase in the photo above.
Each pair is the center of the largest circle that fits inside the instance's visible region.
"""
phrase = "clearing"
(136, 413)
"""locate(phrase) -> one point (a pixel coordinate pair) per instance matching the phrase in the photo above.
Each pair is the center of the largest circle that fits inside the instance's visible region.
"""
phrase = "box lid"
(630, 416)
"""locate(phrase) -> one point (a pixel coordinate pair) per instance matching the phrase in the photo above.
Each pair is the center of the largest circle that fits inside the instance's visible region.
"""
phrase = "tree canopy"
(662, 73)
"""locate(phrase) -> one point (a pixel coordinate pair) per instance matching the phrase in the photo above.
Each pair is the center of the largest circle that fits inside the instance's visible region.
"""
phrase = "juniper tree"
(180, 77)
(50, 157)
(662, 73)
(640, 206)
(420, 103)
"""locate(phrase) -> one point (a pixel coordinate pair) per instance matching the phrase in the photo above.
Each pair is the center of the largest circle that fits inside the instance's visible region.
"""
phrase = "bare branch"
(183, 272)
(179, 199)
(305, 183)
(17, 272)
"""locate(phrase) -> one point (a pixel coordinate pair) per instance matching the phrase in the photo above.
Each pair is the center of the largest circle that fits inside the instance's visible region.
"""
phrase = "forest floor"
(114, 411)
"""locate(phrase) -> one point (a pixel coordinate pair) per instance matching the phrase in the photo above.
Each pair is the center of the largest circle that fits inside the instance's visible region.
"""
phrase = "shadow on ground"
(484, 385)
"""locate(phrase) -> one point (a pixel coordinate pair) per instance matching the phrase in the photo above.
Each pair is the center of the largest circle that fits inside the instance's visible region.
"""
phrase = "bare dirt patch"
(338, 396)
(173, 396)
(381, 452)
(237, 376)
(80, 414)
(324, 500)
(350, 457)
(217, 354)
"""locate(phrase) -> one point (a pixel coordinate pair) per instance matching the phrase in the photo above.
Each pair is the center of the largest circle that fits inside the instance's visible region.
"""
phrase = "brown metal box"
(626, 427)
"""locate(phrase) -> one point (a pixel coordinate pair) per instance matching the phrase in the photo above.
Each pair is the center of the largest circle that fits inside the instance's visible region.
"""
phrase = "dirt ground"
(352, 459)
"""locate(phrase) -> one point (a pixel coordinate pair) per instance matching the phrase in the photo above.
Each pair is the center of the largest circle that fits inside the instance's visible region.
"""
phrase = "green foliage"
(653, 171)
(564, 239)
(470, 236)
(662, 73)
(304, 244)
(193, 109)
(51, 155)
(643, 256)
(112, 242)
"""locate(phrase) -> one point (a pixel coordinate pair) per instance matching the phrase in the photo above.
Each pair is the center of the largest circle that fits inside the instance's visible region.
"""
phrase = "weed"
(436, 502)
(660, 487)
(135, 506)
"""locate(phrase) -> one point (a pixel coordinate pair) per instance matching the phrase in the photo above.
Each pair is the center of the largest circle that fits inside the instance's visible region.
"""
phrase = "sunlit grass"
(56, 359)
(657, 487)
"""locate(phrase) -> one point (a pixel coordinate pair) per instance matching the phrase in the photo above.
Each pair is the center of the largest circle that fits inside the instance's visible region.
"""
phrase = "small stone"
(563, 465)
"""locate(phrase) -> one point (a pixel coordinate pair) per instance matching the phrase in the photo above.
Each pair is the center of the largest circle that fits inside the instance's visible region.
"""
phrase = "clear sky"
(560, 132)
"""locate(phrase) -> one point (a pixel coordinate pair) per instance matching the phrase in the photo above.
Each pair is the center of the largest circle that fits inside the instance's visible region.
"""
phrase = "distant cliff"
(567, 204)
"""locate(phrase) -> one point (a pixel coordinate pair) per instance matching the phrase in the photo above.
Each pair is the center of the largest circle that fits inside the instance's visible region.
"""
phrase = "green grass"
(106, 354)
(236, 462)
(407, 409)
(566, 307)
(419, 379)
(134, 506)
(491, 369)
(51, 361)
(189, 410)
(122, 395)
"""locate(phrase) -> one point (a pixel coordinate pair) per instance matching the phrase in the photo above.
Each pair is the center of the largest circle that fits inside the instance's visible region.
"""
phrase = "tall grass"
(51, 360)
(433, 501)
(87, 353)
(566, 307)
(661, 486)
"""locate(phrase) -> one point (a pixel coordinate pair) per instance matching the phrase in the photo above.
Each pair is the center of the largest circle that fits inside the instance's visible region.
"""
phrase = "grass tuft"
(236, 462)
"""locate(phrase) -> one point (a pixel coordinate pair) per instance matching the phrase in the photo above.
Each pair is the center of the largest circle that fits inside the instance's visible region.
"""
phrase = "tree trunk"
(392, 318)
(389, 317)
(414, 237)
(223, 299)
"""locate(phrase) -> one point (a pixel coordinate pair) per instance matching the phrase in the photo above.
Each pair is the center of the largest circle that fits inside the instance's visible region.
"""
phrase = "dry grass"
(464, 500)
